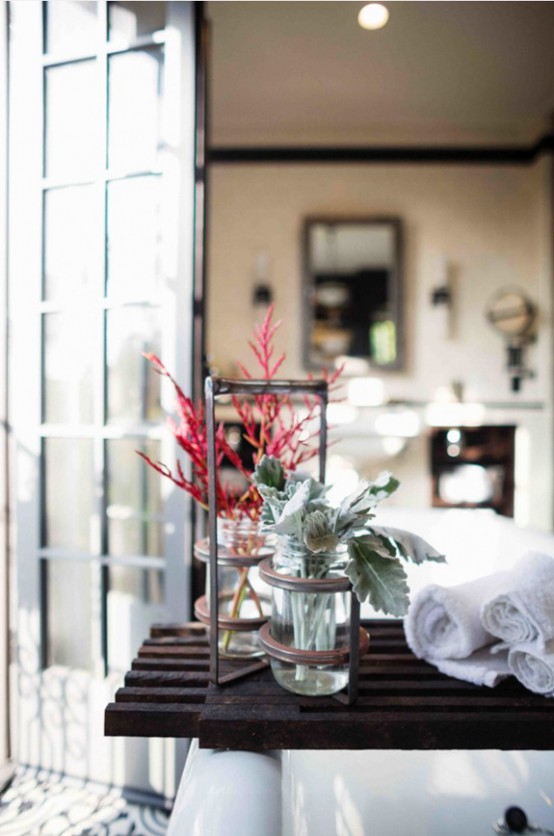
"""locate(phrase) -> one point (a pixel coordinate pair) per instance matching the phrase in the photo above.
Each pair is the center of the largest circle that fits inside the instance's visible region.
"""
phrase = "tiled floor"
(39, 802)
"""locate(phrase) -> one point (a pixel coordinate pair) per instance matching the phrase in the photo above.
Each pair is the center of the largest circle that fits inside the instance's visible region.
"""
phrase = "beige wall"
(491, 223)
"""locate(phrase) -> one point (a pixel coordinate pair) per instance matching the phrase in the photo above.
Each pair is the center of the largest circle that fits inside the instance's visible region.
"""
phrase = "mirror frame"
(396, 296)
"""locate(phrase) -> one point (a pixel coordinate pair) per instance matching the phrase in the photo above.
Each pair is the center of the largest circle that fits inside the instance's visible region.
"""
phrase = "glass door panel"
(134, 508)
(68, 367)
(134, 239)
(73, 123)
(135, 598)
(69, 494)
(71, 26)
(129, 21)
(133, 389)
(70, 632)
(134, 94)
(71, 229)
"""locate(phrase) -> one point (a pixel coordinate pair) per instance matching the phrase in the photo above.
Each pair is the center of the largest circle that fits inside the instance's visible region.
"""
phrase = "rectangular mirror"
(352, 291)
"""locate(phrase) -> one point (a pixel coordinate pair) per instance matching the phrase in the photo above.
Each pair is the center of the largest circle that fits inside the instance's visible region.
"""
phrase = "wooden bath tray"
(403, 703)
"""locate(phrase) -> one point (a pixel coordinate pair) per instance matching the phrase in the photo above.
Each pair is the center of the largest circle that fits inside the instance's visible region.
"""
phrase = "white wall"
(490, 223)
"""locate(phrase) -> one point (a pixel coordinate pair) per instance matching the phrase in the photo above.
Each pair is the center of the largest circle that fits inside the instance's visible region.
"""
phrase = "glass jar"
(243, 599)
(308, 638)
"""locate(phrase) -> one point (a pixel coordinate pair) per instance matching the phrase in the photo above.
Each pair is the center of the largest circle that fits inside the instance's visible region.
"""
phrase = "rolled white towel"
(445, 622)
(525, 611)
(533, 665)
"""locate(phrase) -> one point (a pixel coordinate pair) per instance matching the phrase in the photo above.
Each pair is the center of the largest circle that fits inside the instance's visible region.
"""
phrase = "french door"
(5, 769)
(101, 267)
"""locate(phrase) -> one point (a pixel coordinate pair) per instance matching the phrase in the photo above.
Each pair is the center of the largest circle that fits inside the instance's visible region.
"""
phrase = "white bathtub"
(371, 793)
(380, 793)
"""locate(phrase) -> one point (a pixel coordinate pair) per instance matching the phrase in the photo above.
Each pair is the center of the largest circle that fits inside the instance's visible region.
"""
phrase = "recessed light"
(373, 16)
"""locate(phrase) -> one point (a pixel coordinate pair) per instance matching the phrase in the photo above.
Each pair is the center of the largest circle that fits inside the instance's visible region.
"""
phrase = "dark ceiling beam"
(499, 155)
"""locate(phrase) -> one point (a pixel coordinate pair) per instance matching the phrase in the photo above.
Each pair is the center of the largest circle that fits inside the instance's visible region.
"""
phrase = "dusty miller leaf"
(384, 486)
(318, 535)
(410, 546)
(381, 580)
(274, 502)
(292, 515)
(270, 472)
(356, 510)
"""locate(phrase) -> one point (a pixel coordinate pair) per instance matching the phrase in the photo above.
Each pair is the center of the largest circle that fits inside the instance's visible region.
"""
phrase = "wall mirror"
(352, 291)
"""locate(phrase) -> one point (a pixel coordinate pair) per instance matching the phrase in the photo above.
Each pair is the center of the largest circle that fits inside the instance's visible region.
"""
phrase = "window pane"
(71, 265)
(69, 493)
(134, 102)
(71, 26)
(69, 626)
(127, 21)
(68, 368)
(133, 387)
(134, 238)
(135, 602)
(134, 537)
(146, 585)
(72, 121)
(134, 495)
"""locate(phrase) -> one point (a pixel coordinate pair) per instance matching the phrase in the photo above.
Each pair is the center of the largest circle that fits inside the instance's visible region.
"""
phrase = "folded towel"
(525, 611)
(533, 665)
(445, 622)
(481, 668)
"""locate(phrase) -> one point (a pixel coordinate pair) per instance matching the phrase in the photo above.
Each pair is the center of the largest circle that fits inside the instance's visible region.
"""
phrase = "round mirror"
(511, 313)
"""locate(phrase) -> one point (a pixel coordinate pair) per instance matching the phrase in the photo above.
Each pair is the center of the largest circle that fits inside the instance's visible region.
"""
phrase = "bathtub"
(361, 793)
(381, 793)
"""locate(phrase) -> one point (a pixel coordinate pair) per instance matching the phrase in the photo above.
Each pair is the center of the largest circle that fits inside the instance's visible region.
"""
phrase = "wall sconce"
(442, 302)
(262, 293)
(514, 316)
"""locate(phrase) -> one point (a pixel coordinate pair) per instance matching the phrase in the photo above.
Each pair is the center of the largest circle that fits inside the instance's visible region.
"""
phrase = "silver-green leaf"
(292, 515)
(410, 546)
(381, 580)
(269, 471)
(318, 535)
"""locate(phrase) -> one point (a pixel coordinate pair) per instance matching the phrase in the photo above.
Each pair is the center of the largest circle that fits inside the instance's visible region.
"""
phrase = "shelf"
(404, 703)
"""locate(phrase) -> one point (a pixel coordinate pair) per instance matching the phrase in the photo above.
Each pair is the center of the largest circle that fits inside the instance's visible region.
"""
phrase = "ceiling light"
(373, 16)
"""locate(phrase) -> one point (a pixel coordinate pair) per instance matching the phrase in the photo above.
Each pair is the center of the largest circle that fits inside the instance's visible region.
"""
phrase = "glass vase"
(243, 599)
(308, 637)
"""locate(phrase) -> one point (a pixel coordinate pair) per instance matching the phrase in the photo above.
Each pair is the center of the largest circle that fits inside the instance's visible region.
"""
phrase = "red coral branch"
(271, 425)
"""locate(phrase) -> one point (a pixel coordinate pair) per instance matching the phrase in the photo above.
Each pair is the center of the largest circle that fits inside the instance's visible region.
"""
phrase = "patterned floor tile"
(39, 803)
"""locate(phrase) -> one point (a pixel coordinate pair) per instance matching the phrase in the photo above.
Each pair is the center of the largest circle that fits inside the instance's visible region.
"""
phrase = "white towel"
(481, 668)
(445, 623)
(525, 611)
(533, 665)
(443, 626)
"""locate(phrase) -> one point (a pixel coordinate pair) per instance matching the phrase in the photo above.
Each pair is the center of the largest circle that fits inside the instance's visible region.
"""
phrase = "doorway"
(101, 267)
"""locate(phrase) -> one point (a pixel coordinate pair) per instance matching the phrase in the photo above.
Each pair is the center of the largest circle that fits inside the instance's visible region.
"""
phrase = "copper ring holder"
(202, 552)
(238, 561)
(226, 622)
(295, 656)
(296, 584)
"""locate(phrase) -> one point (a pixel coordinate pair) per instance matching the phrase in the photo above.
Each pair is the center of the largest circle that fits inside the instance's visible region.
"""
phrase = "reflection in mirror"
(352, 291)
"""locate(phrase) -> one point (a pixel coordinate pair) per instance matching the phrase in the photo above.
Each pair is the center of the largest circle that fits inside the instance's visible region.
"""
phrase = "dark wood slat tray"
(403, 703)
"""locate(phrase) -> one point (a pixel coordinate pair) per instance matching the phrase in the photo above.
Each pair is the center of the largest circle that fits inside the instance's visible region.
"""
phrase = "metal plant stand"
(215, 387)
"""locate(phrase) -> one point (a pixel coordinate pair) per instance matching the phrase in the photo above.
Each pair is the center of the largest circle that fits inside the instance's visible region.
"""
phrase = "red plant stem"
(271, 425)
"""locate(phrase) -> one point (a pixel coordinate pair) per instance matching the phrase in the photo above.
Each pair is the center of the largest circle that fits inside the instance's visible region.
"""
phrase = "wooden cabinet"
(473, 467)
